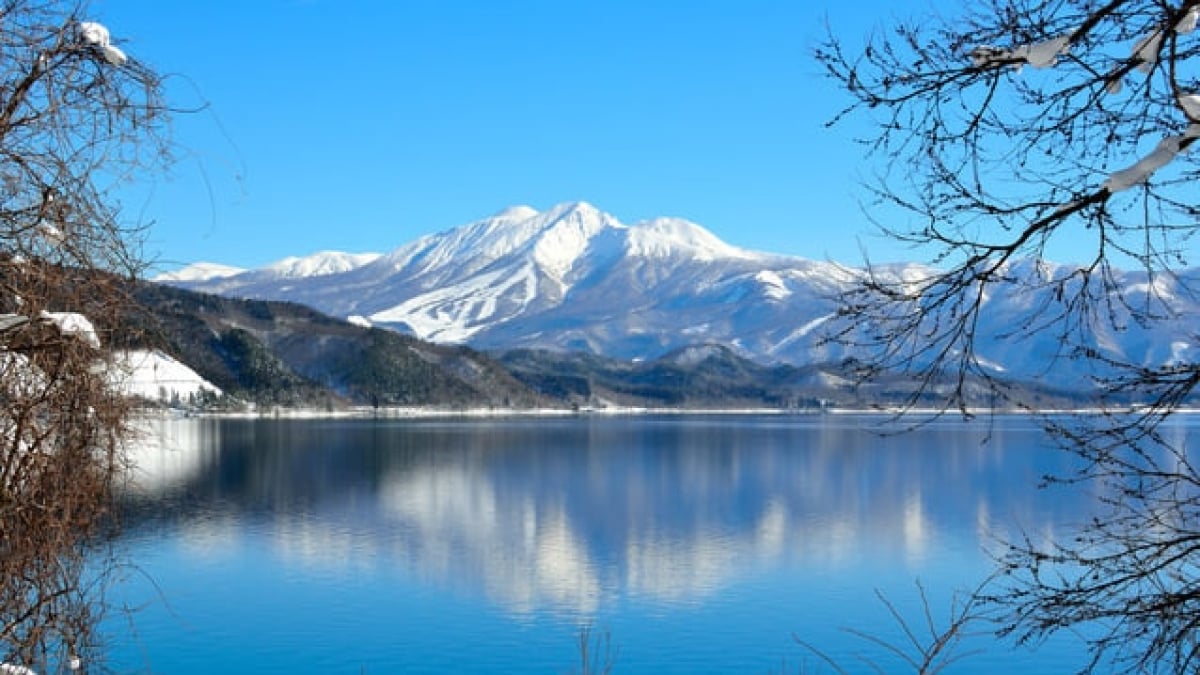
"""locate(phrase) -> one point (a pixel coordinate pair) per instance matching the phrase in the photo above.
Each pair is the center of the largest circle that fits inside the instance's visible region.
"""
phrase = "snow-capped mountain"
(201, 271)
(571, 277)
(318, 264)
(217, 277)
(577, 279)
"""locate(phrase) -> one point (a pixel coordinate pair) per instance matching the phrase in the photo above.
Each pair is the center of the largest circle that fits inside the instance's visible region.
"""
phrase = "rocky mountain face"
(575, 279)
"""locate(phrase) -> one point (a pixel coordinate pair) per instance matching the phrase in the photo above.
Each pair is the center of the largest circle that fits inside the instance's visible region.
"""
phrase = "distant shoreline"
(434, 412)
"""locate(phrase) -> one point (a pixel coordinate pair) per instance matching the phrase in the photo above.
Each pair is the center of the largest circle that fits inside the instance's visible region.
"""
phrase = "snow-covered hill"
(575, 278)
(154, 376)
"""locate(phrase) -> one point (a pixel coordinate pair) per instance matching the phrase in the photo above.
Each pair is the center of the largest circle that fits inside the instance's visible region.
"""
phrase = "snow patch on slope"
(454, 313)
(801, 332)
(697, 354)
(773, 286)
(153, 375)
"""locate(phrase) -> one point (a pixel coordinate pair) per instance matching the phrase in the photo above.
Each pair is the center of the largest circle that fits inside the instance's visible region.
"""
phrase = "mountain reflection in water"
(573, 516)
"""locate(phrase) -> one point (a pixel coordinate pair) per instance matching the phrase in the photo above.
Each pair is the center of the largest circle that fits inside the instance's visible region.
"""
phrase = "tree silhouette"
(78, 117)
(1005, 131)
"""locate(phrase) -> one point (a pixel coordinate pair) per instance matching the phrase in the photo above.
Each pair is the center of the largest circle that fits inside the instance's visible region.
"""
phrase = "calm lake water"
(700, 544)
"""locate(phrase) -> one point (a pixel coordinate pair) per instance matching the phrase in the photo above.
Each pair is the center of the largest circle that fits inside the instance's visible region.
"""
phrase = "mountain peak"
(567, 232)
(319, 264)
(581, 210)
(517, 213)
(663, 237)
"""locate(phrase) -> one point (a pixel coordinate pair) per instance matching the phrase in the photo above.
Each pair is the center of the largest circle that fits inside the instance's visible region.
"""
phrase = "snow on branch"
(1045, 54)
(50, 233)
(1042, 54)
(1146, 49)
(1191, 106)
(1144, 168)
(1188, 23)
(93, 33)
(73, 323)
(96, 35)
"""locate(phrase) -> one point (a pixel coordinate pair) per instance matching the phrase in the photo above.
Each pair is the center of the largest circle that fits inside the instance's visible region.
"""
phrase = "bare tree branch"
(1007, 130)
(77, 117)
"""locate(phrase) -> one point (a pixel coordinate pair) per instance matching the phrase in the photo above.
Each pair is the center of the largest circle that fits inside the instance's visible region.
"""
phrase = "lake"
(697, 543)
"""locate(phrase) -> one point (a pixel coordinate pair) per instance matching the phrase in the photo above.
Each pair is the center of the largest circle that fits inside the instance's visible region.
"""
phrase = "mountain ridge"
(573, 278)
(462, 284)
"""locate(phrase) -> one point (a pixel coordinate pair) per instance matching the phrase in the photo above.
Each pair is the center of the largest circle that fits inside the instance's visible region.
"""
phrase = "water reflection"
(564, 515)
(165, 453)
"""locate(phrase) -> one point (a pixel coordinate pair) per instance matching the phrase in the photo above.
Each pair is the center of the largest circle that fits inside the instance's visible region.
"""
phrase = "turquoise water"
(699, 544)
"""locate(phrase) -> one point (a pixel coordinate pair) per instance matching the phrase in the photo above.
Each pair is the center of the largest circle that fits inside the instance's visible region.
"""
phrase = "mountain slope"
(282, 353)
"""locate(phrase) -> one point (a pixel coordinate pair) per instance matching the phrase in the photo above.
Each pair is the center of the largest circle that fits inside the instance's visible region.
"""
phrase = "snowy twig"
(1038, 54)
(73, 323)
(1144, 168)
(96, 35)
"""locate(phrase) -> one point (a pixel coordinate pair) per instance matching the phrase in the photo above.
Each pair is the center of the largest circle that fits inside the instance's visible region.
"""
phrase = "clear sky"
(362, 125)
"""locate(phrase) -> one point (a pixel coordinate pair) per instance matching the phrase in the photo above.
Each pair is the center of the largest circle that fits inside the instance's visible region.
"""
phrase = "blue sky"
(359, 126)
